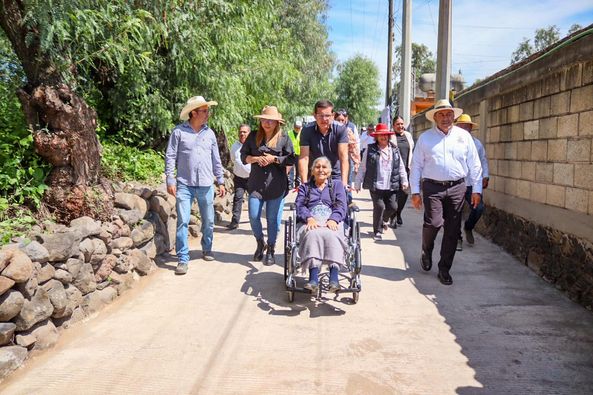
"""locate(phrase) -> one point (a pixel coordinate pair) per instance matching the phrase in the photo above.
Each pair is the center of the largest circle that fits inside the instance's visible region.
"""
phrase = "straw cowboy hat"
(192, 104)
(466, 119)
(270, 112)
(441, 105)
(381, 130)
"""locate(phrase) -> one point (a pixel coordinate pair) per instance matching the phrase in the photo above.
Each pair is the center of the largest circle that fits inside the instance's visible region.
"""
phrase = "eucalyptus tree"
(357, 89)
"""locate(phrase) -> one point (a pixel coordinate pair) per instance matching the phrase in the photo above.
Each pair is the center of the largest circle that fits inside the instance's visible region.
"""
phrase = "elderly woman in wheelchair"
(321, 206)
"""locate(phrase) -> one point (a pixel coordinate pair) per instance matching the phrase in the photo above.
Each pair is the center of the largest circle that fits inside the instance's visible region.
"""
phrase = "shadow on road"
(268, 290)
(518, 333)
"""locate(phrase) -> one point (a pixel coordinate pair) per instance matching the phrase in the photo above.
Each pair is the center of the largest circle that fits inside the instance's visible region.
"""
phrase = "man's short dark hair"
(342, 111)
(323, 104)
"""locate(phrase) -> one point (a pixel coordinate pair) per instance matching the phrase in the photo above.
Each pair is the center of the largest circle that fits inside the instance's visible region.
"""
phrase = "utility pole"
(406, 66)
(444, 50)
(388, 94)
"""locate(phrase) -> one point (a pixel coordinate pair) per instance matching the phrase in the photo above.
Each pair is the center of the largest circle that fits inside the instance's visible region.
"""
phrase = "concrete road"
(227, 328)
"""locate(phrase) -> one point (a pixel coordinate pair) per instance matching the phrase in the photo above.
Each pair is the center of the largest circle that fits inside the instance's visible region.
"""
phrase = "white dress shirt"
(483, 158)
(239, 169)
(446, 157)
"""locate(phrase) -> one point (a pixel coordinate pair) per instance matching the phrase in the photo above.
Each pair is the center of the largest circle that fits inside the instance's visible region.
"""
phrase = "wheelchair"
(352, 256)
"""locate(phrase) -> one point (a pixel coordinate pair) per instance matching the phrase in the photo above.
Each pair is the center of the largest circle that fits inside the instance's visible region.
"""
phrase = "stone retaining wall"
(62, 274)
(536, 123)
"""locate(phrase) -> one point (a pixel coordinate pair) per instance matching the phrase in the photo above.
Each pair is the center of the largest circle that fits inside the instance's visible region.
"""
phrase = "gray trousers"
(442, 208)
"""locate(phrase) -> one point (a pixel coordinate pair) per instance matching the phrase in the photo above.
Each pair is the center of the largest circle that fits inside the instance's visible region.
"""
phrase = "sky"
(485, 32)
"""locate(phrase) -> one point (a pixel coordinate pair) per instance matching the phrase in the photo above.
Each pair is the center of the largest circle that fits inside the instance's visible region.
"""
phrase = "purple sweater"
(321, 197)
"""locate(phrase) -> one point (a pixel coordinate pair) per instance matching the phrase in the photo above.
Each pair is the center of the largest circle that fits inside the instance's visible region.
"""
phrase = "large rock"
(143, 232)
(74, 297)
(99, 253)
(105, 268)
(63, 276)
(130, 201)
(123, 282)
(149, 249)
(29, 287)
(194, 230)
(159, 242)
(66, 322)
(43, 335)
(122, 243)
(37, 309)
(61, 246)
(36, 251)
(171, 233)
(160, 206)
(6, 332)
(45, 273)
(73, 266)
(86, 226)
(19, 268)
(5, 284)
(141, 262)
(57, 296)
(123, 265)
(85, 279)
(11, 304)
(5, 255)
(95, 301)
(10, 359)
(94, 250)
(130, 217)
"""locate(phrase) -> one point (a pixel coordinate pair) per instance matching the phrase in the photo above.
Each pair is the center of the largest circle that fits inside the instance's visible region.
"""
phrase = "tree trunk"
(63, 125)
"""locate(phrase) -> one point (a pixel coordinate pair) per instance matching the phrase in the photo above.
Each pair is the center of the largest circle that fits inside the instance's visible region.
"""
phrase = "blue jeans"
(476, 213)
(273, 217)
(185, 196)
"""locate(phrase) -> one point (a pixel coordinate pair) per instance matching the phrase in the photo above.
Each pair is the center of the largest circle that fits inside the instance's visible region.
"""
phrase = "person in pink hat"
(383, 173)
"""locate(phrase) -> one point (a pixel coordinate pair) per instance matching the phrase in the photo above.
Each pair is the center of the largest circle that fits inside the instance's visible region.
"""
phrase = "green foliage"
(14, 221)
(574, 28)
(544, 37)
(138, 62)
(21, 171)
(124, 163)
(357, 89)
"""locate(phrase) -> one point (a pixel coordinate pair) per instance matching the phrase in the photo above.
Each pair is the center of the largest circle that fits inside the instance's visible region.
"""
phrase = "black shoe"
(445, 278)
(393, 223)
(259, 251)
(426, 261)
(232, 225)
(269, 259)
(399, 220)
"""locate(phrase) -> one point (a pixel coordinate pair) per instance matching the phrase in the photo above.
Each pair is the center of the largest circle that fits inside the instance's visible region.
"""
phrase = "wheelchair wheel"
(357, 260)
(287, 246)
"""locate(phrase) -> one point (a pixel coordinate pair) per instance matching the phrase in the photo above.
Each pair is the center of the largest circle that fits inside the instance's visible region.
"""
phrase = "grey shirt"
(195, 156)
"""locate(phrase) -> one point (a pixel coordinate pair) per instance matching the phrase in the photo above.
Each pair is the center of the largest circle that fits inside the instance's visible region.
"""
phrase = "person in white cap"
(444, 157)
(192, 164)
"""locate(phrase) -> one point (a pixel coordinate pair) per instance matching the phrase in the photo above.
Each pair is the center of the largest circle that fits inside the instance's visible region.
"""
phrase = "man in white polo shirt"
(444, 157)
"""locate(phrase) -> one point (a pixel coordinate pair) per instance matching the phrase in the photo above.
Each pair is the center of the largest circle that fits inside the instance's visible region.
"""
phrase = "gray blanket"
(322, 245)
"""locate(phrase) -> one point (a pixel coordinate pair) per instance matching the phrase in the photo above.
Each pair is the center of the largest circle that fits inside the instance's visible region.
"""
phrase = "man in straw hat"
(465, 122)
(192, 164)
(444, 157)
(324, 138)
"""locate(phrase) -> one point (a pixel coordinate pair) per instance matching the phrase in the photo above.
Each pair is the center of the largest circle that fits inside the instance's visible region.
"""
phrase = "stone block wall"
(536, 123)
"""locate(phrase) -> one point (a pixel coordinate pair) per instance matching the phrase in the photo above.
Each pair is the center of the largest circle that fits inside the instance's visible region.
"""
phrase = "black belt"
(444, 183)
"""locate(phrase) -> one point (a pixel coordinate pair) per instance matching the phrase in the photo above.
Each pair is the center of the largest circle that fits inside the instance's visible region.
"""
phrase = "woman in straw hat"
(383, 173)
(270, 152)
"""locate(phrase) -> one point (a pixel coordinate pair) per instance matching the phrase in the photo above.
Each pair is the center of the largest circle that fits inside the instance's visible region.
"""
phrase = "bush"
(123, 163)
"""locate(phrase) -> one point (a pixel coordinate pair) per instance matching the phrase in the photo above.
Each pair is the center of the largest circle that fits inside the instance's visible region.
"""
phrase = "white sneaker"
(378, 236)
